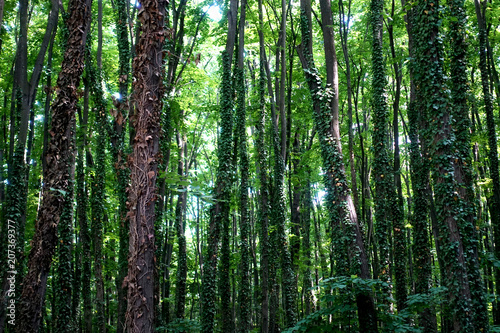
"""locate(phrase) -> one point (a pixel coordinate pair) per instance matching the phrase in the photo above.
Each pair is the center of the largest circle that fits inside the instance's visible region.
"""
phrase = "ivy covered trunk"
(57, 179)
(245, 291)
(440, 142)
(64, 278)
(98, 184)
(382, 173)
(463, 163)
(219, 213)
(262, 161)
(347, 239)
(180, 290)
(419, 218)
(148, 90)
(117, 138)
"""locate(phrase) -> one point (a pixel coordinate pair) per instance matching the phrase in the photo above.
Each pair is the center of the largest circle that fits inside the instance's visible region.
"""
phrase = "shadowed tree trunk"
(245, 292)
(148, 89)
(57, 180)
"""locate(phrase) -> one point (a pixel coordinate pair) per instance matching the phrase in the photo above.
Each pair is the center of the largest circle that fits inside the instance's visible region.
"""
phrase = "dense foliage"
(250, 166)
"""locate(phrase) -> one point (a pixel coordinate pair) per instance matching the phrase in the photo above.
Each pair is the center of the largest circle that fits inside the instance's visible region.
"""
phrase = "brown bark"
(148, 89)
(57, 175)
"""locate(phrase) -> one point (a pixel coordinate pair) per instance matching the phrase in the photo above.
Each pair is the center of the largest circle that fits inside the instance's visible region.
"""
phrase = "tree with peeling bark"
(57, 178)
(147, 90)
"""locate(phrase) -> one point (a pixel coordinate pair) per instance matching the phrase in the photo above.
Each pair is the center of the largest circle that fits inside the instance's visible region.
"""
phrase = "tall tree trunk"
(117, 138)
(99, 178)
(439, 140)
(463, 163)
(180, 290)
(245, 292)
(344, 31)
(263, 211)
(420, 206)
(219, 214)
(339, 201)
(148, 89)
(492, 145)
(57, 180)
(64, 278)
(289, 288)
(383, 175)
(398, 230)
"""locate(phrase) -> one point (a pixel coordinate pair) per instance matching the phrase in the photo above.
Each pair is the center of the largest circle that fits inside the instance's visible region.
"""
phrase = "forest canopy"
(249, 166)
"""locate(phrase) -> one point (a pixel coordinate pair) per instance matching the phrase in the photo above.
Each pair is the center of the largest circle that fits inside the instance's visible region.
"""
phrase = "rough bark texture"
(57, 175)
(148, 90)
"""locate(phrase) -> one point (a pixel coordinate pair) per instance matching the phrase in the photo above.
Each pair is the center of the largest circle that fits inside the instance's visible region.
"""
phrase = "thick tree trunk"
(57, 179)
(148, 89)
(440, 142)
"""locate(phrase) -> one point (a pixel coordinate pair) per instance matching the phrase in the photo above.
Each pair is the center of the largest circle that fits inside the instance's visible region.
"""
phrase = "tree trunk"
(263, 212)
(420, 205)
(180, 290)
(148, 89)
(439, 141)
(492, 145)
(245, 292)
(339, 200)
(219, 214)
(400, 257)
(57, 180)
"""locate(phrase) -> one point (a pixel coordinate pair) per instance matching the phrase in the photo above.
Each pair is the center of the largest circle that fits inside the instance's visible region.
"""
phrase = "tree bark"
(57, 176)
(148, 89)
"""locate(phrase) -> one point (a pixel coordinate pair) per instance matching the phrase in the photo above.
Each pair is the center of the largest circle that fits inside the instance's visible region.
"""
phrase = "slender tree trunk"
(57, 178)
(117, 138)
(219, 215)
(148, 89)
(420, 205)
(492, 145)
(263, 212)
(339, 200)
(180, 290)
(400, 253)
(99, 178)
(64, 278)
(244, 293)
(344, 31)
